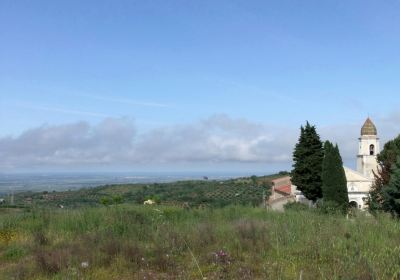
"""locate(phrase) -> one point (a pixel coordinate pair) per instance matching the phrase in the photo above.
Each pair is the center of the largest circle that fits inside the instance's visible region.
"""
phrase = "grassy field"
(159, 242)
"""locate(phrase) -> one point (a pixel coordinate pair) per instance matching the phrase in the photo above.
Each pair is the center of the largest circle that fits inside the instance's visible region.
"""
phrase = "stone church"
(359, 181)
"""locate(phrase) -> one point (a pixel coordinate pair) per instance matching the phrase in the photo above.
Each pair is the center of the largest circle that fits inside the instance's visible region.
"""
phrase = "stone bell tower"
(368, 149)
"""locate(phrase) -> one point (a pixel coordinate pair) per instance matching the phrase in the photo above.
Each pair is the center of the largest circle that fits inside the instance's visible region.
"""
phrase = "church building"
(359, 181)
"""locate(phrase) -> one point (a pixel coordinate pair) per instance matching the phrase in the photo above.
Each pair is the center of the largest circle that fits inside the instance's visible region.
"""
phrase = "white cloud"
(115, 141)
(218, 139)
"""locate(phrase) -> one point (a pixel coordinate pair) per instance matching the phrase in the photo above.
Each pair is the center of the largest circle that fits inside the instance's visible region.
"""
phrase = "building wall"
(367, 163)
(278, 204)
(359, 186)
(357, 191)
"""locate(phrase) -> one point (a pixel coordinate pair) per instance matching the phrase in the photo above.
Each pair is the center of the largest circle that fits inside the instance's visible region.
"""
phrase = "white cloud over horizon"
(218, 139)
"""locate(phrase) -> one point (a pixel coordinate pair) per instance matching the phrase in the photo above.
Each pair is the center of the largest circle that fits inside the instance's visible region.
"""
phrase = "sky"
(175, 85)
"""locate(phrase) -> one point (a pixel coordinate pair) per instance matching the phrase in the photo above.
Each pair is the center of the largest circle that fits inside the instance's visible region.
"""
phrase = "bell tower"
(368, 149)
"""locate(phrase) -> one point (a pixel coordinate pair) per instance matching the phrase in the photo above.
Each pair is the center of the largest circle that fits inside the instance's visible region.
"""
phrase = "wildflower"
(85, 264)
(222, 257)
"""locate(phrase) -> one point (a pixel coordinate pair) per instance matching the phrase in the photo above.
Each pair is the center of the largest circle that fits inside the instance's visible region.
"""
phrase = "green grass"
(236, 242)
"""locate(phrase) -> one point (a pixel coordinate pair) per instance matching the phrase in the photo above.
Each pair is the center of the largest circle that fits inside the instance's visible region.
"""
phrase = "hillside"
(156, 242)
(240, 191)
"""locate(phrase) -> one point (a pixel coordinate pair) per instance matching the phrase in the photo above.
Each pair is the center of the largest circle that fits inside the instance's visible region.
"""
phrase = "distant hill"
(194, 193)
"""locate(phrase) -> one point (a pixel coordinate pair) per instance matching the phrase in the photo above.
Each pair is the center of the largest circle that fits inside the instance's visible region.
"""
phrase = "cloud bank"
(218, 139)
(117, 142)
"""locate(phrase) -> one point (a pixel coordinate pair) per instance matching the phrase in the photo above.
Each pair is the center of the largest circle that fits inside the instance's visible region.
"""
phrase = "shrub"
(253, 234)
(52, 262)
(7, 235)
(331, 207)
(40, 238)
(296, 206)
(133, 254)
(205, 234)
(110, 248)
(118, 199)
(14, 253)
(106, 201)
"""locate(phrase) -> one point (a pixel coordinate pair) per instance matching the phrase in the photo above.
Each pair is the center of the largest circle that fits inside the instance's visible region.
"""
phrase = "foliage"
(386, 159)
(211, 193)
(391, 191)
(332, 207)
(253, 179)
(334, 183)
(296, 206)
(137, 242)
(154, 198)
(307, 168)
(283, 173)
(106, 201)
(118, 199)
(14, 253)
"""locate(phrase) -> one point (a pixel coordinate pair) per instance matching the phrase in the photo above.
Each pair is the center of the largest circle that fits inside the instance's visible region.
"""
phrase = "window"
(371, 150)
(353, 204)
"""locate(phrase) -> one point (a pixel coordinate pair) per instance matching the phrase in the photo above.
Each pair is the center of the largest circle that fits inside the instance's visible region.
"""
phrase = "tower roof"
(368, 128)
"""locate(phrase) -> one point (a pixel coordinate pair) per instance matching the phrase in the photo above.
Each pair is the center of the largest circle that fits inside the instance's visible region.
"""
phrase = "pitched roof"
(352, 175)
(281, 181)
(284, 189)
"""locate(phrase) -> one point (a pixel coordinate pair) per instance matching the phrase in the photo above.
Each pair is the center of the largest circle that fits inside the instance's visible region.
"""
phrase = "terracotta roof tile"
(284, 189)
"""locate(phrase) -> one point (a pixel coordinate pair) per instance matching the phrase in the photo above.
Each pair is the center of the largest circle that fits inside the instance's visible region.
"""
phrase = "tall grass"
(137, 242)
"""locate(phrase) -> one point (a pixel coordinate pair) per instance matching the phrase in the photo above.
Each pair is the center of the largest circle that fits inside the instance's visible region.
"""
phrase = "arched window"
(372, 150)
(353, 204)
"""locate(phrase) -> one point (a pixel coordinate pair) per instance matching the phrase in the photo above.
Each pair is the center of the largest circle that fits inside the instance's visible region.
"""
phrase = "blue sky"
(166, 65)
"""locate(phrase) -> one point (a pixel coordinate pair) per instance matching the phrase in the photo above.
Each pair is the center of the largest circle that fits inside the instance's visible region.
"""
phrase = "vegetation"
(209, 229)
(159, 242)
(334, 183)
(240, 191)
(386, 159)
(391, 191)
(307, 168)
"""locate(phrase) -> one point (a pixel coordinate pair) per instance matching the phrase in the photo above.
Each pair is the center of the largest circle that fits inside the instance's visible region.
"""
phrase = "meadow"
(164, 242)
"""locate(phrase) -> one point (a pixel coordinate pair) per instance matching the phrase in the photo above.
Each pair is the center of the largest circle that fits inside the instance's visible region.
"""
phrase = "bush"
(331, 207)
(105, 201)
(52, 262)
(296, 206)
(14, 253)
(118, 199)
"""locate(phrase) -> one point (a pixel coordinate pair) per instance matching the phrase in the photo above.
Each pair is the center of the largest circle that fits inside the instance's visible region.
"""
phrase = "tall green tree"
(386, 159)
(391, 191)
(334, 182)
(307, 167)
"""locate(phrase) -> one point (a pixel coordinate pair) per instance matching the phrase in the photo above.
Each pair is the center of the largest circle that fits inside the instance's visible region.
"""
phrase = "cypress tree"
(334, 182)
(307, 167)
(391, 191)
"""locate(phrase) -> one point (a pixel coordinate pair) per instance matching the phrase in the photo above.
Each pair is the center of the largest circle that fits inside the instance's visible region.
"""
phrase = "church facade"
(359, 181)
